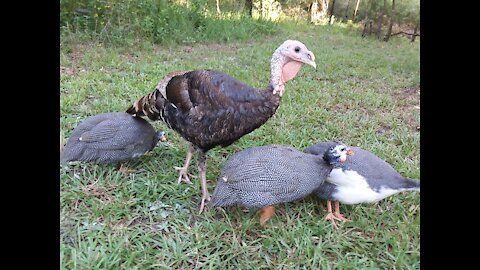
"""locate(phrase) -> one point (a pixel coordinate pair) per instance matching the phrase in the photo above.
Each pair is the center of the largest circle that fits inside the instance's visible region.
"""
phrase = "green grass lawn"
(364, 92)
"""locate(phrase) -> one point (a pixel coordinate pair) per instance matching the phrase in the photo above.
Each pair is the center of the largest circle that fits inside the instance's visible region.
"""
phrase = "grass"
(364, 92)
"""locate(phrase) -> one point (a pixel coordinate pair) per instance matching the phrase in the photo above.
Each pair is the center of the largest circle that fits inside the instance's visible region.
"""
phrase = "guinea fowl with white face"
(209, 108)
(363, 178)
(260, 177)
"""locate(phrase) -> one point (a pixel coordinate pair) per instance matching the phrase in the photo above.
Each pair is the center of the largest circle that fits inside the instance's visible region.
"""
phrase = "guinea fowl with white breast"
(209, 108)
(260, 177)
(363, 178)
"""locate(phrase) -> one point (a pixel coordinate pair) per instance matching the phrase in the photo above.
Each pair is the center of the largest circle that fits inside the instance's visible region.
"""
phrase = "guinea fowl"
(209, 108)
(260, 177)
(111, 137)
(363, 178)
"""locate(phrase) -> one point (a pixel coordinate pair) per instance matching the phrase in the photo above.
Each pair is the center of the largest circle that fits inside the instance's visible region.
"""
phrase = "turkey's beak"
(349, 152)
(310, 59)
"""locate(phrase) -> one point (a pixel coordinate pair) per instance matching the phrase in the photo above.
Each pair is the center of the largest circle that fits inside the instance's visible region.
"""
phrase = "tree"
(356, 9)
(249, 5)
(380, 19)
(318, 11)
(217, 2)
(415, 31)
(392, 18)
(346, 10)
(331, 12)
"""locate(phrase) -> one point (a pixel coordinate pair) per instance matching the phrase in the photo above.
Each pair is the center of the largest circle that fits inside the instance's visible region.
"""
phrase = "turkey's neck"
(276, 66)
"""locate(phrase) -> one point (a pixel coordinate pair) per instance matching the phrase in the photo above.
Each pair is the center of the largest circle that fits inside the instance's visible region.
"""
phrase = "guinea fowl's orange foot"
(183, 176)
(205, 198)
(339, 216)
(331, 216)
(265, 214)
(124, 170)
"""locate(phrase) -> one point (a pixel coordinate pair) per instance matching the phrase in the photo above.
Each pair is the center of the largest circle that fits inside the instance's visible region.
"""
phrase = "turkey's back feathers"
(210, 108)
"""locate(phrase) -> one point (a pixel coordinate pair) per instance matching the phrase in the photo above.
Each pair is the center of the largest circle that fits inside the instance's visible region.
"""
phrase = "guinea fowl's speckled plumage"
(377, 173)
(110, 137)
(263, 176)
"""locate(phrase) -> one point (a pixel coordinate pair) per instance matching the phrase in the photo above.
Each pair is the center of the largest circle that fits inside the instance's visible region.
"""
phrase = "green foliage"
(156, 21)
(364, 92)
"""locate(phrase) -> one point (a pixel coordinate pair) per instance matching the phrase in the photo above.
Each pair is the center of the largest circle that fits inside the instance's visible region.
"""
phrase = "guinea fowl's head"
(286, 62)
(337, 154)
(160, 137)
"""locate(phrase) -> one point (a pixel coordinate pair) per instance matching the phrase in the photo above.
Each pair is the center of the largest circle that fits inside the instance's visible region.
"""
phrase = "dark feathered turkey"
(260, 177)
(363, 178)
(110, 137)
(209, 108)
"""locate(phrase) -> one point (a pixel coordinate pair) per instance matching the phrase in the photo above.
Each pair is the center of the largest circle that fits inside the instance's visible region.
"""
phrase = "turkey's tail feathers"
(149, 105)
(153, 104)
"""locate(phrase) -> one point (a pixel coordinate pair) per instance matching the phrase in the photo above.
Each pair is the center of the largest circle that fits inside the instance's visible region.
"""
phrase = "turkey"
(364, 178)
(209, 108)
(260, 177)
(111, 137)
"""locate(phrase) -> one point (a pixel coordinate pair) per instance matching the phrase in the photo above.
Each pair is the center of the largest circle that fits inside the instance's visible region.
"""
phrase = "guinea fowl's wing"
(110, 134)
(377, 171)
(263, 169)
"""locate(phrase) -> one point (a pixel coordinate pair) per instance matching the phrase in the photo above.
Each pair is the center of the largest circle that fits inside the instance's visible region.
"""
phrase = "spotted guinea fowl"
(209, 108)
(260, 177)
(363, 178)
(111, 137)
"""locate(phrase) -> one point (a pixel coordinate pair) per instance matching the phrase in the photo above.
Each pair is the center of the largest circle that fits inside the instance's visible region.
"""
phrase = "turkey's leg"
(184, 170)
(202, 169)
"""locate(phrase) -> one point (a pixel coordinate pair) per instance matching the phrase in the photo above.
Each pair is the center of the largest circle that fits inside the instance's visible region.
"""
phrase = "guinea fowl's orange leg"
(202, 167)
(266, 213)
(330, 215)
(123, 169)
(337, 212)
(184, 170)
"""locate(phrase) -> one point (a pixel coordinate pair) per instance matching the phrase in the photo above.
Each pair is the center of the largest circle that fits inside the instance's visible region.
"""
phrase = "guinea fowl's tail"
(152, 105)
(223, 196)
(411, 185)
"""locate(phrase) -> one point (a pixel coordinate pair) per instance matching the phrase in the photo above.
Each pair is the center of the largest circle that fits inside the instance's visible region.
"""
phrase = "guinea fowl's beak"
(163, 137)
(349, 152)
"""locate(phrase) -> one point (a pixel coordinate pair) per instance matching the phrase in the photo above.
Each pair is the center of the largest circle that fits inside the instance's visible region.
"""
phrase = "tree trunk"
(356, 9)
(217, 2)
(415, 32)
(331, 12)
(346, 10)
(380, 19)
(392, 19)
(261, 9)
(249, 5)
(364, 32)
